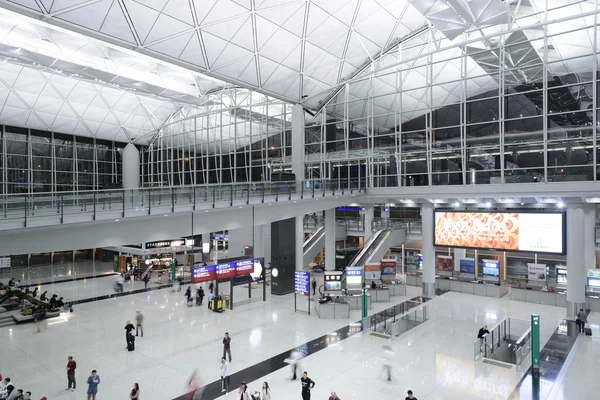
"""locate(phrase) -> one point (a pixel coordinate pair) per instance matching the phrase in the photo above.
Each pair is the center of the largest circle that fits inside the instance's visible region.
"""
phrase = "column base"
(573, 308)
(428, 290)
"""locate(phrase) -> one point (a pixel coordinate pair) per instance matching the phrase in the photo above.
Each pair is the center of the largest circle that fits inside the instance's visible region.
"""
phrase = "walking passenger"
(224, 375)
(227, 346)
(266, 392)
(581, 320)
(243, 392)
(93, 382)
(307, 385)
(135, 392)
(71, 366)
(211, 287)
(128, 328)
(387, 361)
(139, 320)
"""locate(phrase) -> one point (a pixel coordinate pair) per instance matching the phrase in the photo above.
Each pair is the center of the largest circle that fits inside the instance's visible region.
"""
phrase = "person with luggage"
(307, 385)
(128, 328)
(93, 382)
(199, 296)
(227, 346)
(130, 342)
(224, 375)
(581, 320)
(71, 366)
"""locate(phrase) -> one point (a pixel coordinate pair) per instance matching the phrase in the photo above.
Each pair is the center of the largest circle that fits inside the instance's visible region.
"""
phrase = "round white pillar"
(131, 167)
(576, 256)
(428, 250)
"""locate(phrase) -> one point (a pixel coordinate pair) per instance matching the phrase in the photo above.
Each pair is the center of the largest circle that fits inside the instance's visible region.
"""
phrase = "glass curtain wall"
(512, 103)
(239, 136)
(35, 161)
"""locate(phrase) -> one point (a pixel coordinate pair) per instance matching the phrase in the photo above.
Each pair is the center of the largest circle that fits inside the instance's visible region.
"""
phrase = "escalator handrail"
(313, 239)
(373, 247)
(365, 249)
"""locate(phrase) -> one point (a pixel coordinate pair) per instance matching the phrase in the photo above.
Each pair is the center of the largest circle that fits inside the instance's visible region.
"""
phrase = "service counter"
(380, 295)
(355, 301)
(414, 280)
(468, 287)
(333, 310)
(396, 289)
(539, 297)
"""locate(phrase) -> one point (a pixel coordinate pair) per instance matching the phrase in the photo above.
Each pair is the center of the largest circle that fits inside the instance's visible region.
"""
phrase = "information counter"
(396, 289)
(468, 287)
(333, 310)
(355, 301)
(380, 295)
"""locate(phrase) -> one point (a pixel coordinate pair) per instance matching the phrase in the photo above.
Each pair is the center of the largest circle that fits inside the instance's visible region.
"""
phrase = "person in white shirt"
(224, 375)
(387, 361)
(294, 361)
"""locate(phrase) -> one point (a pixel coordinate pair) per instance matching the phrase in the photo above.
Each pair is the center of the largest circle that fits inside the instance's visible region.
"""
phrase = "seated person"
(35, 292)
(43, 296)
(60, 302)
(326, 299)
(373, 285)
(53, 300)
(482, 332)
(11, 283)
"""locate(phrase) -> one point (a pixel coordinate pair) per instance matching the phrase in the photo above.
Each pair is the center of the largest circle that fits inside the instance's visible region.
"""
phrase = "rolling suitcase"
(130, 346)
(588, 332)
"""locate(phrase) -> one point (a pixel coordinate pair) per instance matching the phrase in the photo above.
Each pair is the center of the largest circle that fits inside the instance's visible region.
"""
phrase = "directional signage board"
(302, 283)
(535, 341)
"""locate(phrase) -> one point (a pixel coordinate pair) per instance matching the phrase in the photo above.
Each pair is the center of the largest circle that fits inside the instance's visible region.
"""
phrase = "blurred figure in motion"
(387, 361)
(194, 387)
(294, 361)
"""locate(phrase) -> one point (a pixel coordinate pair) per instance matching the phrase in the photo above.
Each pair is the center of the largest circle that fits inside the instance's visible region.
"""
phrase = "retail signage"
(491, 268)
(203, 273)
(561, 274)
(4, 262)
(225, 271)
(541, 232)
(245, 267)
(373, 271)
(593, 273)
(166, 243)
(536, 272)
(221, 238)
(445, 264)
(302, 283)
(388, 268)
(467, 266)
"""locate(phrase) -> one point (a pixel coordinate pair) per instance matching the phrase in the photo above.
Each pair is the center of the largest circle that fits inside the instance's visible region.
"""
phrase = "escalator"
(377, 245)
(313, 245)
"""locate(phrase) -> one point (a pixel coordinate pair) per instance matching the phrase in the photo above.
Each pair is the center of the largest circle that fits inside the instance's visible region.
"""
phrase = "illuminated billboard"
(539, 232)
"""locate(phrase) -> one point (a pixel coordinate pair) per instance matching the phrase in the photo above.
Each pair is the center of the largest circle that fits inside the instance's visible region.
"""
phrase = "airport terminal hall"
(299, 199)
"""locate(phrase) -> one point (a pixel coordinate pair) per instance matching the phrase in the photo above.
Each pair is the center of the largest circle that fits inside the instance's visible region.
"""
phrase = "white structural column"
(368, 214)
(428, 250)
(238, 240)
(298, 170)
(330, 239)
(385, 214)
(259, 243)
(131, 167)
(576, 256)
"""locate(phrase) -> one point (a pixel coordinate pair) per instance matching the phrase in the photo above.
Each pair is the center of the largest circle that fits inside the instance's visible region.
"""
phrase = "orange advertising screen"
(532, 232)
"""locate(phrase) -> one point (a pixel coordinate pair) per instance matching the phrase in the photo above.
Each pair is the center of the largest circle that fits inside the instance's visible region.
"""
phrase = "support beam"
(428, 251)
(330, 239)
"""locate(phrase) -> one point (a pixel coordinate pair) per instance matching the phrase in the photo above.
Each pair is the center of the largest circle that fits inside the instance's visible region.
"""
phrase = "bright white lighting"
(457, 204)
(561, 204)
(488, 204)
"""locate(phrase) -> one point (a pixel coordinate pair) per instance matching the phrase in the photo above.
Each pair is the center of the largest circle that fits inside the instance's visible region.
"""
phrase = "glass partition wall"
(510, 103)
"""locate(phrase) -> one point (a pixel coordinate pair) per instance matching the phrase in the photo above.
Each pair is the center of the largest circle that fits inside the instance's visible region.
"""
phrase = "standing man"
(307, 384)
(139, 320)
(224, 375)
(227, 346)
(128, 328)
(314, 286)
(71, 365)
(93, 382)
(410, 396)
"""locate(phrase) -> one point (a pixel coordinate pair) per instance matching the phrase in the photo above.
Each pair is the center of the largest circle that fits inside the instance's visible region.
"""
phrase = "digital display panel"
(467, 266)
(302, 283)
(594, 282)
(530, 232)
(227, 271)
(491, 268)
(333, 282)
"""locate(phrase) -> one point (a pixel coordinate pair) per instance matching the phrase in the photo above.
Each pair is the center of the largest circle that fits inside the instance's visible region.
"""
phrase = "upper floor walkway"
(46, 209)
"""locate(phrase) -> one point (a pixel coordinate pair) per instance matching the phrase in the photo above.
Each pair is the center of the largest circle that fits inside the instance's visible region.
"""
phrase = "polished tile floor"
(435, 360)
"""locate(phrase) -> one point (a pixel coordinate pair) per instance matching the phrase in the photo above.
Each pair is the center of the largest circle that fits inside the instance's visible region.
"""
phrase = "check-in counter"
(414, 280)
(558, 299)
(333, 310)
(355, 301)
(467, 287)
(517, 294)
(396, 289)
(380, 295)
(533, 296)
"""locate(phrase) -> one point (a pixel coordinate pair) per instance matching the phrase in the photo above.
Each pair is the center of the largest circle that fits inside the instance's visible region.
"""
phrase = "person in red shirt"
(71, 365)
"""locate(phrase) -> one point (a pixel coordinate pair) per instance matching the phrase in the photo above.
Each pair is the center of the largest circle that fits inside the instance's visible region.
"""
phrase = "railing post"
(231, 195)
(214, 194)
(277, 191)
(263, 192)
(302, 190)
(149, 201)
(290, 193)
(248, 196)
(62, 209)
(94, 217)
(312, 185)
(26, 211)
(123, 205)
(172, 199)
(324, 184)
(194, 191)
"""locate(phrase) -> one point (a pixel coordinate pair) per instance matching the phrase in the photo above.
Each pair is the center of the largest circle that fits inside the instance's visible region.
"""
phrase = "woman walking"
(266, 392)
(243, 392)
(93, 382)
(135, 392)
